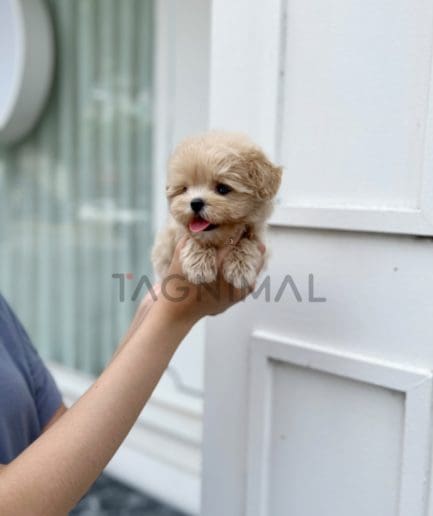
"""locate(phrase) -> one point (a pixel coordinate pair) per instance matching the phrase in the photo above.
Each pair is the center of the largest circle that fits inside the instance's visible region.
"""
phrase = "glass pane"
(75, 196)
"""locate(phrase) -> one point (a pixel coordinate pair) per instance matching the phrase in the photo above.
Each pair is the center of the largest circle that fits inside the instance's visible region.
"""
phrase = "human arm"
(140, 314)
(56, 416)
(50, 476)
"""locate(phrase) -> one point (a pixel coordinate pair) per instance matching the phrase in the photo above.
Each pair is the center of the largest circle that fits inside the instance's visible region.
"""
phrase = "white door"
(319, 402)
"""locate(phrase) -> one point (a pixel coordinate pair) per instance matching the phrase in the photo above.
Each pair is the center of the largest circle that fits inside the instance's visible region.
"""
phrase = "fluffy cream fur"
(197, 168)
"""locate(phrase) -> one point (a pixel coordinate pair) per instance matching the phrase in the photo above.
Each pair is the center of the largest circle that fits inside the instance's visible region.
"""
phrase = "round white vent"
(26, 65)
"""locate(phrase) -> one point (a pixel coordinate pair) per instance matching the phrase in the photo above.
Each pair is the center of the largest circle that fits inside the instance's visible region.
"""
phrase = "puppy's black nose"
(197, 204)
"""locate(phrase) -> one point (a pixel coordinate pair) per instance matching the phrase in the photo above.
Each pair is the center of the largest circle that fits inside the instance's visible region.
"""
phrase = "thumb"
(179, 246)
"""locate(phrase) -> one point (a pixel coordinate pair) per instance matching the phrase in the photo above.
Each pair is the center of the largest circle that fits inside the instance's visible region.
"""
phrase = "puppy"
(218, 183)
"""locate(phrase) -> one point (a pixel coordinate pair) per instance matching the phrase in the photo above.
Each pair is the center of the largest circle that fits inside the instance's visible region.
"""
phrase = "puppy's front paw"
(240, 265)
(198, 264)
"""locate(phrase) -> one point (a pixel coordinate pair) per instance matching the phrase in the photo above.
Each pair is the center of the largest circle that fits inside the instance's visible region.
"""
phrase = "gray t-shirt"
(29, 396)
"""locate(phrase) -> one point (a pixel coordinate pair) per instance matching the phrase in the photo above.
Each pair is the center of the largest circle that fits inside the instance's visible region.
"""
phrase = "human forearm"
(139, 317)
(52, 474)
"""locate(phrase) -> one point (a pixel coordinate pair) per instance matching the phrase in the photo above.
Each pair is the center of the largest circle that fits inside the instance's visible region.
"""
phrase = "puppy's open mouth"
(199, 224)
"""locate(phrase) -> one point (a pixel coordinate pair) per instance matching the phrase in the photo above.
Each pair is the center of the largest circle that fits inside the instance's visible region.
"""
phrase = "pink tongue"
(198, 225)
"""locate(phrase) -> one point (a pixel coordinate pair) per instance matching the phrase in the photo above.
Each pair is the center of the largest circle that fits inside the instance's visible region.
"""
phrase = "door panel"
(327, 371)
(356, 83)
(340, 95)
(372, 461)
(342, 460)
(311, 406)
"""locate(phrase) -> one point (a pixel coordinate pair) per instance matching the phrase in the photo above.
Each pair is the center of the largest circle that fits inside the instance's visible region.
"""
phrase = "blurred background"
(81, 197)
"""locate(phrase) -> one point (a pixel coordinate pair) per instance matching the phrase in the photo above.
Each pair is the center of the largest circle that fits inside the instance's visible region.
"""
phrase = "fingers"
(232, 241)
(179, 246)
(238, 235)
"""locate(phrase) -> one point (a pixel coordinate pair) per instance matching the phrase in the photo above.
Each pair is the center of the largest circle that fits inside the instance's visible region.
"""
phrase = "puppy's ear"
(264, 176)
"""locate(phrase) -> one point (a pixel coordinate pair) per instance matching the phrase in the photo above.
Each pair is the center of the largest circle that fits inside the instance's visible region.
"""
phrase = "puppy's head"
(218, 180)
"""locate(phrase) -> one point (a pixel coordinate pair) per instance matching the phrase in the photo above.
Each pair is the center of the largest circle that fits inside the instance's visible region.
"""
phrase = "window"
(75, 196)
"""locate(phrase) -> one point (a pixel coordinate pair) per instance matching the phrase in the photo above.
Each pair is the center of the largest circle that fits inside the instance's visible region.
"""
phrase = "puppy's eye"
(173, 190)
(223, 189)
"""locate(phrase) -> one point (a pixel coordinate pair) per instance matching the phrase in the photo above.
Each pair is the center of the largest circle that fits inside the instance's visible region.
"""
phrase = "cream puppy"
(218, 183)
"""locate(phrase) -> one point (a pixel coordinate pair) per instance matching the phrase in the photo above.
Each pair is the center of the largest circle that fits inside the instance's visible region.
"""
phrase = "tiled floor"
(110, 498)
